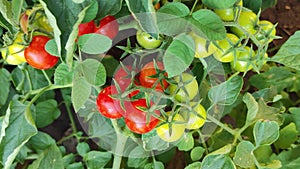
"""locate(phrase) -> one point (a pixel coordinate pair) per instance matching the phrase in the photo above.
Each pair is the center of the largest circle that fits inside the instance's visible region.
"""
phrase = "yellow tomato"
(196, 121)
(226, 52)
(203, 47)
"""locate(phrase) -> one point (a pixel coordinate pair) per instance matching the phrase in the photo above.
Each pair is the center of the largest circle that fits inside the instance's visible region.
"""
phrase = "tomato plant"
(108, 26)
(147, 80)
(108, 106)
(146, 40)
(14, 53)
(36, 54)
(173, 131)
(137, 117)
(148, 84)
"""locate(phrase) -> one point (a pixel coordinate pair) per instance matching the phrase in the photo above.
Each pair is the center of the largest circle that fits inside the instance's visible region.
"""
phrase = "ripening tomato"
(14, 53)
(149, 70)
(172, 131)
(108, 26)
(230, 13)
(86, 28)
(227, 50)
(36, 54)
(267, 31)
(146, 40)
(196, 118)
(243, 62)
(137, 119)
(203, 47)
(123, 77)
(187, 85)
(108, 106)
(248, 20)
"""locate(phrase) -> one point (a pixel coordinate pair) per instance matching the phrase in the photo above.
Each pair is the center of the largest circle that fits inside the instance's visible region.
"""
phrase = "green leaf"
(50, 158)
(195, 165)
(5, 85)
(151, 141)
(179, 55)
(63, 75)
(255, 6)
(170, 18)
(137, 157)
(197, 153)
(289, 52)
(279, 77)
(252, 106)
(77, 165)
(243, 156)
(110, 64)
(46, 112)
(209, 23)
(220, 139)
(155, 165)
(265, 132)
(186, 143)
(227, 92)
(216, 4)
(51, 48)
(6, 25)
(20, 128)
(91, 12)
(143, 12)
(82, 148)
(96, 159)
(289, 159)
(41, 141)
(287, 136)
(263, 153)
(81, 91)
(268, 3)
(110, 7)
(93, 71)
(220, 161)
(176, 8)
(268, 113)
(68, 159)
(10, 11)
(94, 43)
(295, 113)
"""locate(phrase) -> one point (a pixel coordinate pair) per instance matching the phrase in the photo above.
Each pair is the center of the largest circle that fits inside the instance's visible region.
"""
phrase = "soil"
(286, 13)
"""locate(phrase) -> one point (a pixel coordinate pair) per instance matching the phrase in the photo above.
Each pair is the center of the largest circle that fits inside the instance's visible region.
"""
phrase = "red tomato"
(136, 117)
(149, 82)
(123, 77)
(85, 28)
(108, 26)
(36, 54)
(108, 106)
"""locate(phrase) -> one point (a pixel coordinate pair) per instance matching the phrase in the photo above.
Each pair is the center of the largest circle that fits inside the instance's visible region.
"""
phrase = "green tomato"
(173, 131)
(188, 87)
(229, 13)
(267, 30)
(243, 62)
(226, 52)
(195, 121)
(146, 40)
(14, 53)
(246, 20)
(203, 47)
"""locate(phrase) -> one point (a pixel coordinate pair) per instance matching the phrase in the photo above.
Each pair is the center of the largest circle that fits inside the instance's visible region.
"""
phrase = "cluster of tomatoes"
(29, 44)
(148, 100)
(236, 48)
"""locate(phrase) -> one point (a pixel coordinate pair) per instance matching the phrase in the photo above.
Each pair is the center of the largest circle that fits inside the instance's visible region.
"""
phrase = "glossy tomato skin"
(86, 28)
(108, 26)
(149, 82)
(247, 20)
(146, 40)
(136, 118)
(122, 77)
(172, 132)
(243, 62)
(226, 52)
(195, 122)
(108, 106)
(229, 13)
(14, 53)
(36, 54)
(188, 87)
